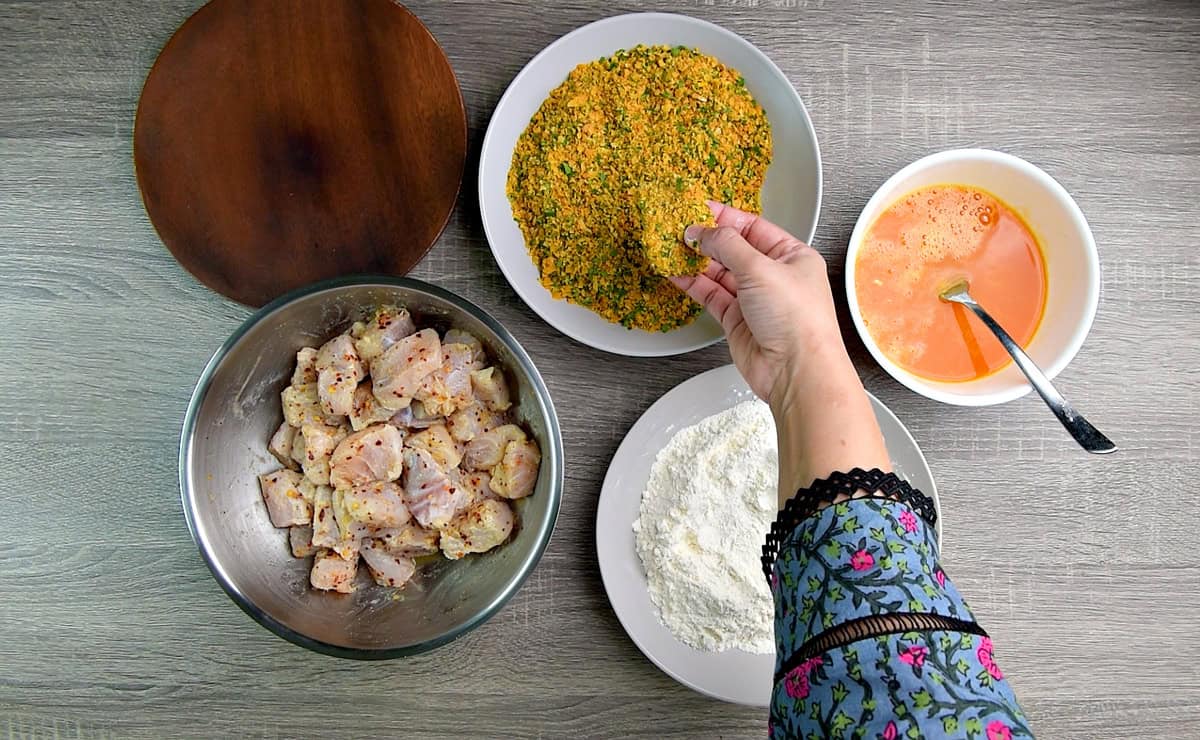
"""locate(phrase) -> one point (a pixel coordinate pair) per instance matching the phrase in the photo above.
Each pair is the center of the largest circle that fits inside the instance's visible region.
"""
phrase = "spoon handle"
(1088, 436)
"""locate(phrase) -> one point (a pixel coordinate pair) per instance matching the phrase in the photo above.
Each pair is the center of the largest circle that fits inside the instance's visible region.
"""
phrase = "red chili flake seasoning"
(378, 442)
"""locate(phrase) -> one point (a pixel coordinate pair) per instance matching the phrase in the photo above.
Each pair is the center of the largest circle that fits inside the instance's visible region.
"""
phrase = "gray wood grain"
(1084, 570)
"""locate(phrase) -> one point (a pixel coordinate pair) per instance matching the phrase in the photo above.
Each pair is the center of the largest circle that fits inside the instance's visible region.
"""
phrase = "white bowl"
(1072, 265)
(791, 194)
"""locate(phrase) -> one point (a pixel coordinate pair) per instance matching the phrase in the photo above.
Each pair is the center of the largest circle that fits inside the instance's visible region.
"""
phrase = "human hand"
(771, 293)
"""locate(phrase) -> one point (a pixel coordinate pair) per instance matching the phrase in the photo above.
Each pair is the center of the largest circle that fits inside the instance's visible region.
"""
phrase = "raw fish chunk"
(487, 450)
(415, 416)
(388, 326)
(386, 568)
(436, 440)
(448, 388)
(397, 373)
(370, 455)
(491, 388)
(302, 405)
(469, 422)
(365, 409)
(300, 539)
(306, 367)
(517, 472)
(338, 371)
(281, 494)
(325, 531)
(281, 444)
(320, 440)
(479, 528)
(378, 505)
(428, 492)
(411, 540)
(333, 573)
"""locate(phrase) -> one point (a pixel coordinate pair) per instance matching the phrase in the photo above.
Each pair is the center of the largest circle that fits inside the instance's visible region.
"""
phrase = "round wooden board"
(279, 142)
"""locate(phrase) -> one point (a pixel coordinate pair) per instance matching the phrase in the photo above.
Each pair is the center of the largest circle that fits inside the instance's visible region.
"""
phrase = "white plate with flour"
(730, 675)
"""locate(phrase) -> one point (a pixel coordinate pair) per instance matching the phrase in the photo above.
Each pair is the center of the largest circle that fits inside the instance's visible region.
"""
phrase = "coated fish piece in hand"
(330, 572)
(370, 455)
(378, 505)
(436, 440)
(487, 450)
(412, 540)
(398, 372)
(281, 494)
(491, 388)
(664, 210)
(388, 569)
(431, 498)
(386, 327)
(479, 528)
(320, 440)
(338, 371)
(365, 410)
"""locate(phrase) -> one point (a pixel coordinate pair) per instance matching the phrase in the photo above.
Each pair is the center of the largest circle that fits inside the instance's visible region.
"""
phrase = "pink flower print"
(984, 653)
(914, 656)
(940, 576)
(890, 732)
(997, 730)
(796, 681)
(861, 560)
(909, 520)
(774, 581)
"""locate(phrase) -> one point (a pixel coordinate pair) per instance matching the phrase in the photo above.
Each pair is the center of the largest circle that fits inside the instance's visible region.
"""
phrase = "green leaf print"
(841, 721)
(814, 584)
(922, 699)
(840, 691)
(913, 732)
(850, 526)
(950, 724)
(973, 726)
(896, 547)
(962, 666)
(832, 549)
(878, 534)
(944, 641)
(841, 509)
(836, 594)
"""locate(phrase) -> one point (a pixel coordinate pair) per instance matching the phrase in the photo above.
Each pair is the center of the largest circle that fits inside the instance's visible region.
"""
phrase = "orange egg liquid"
(919, 245)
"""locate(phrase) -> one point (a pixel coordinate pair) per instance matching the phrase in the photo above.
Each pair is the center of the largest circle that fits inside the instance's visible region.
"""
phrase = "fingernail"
(691, 235)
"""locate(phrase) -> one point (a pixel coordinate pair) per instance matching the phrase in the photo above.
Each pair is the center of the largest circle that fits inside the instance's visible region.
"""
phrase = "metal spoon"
(1088, 436)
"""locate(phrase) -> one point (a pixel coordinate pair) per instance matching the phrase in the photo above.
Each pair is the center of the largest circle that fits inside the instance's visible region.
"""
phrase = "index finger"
(763, 235)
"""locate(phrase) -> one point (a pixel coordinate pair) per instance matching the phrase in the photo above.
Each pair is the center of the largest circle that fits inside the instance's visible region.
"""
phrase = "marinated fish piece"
(397, 373)
(281, 494)
(517, 472)
(411, 540)
(479, 528)
(302, 405)
(308, 490)
(365, 410)
(448, 388)
(388, 569)
(350, 531)
(338, 371)
(436, 440)
(487, 450)
(331, 572)
(378, 505)
(300, 539)
(325, 530)
(388, 326)
(370, 455)
(415, 416)
(491, 388)
(477, 484)
(281, 445)
(469, 422)
(306, 367)
(478, 355)
(320, 440)
(430, 497)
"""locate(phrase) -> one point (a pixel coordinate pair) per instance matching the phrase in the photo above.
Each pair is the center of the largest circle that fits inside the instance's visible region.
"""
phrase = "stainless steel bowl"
(223, 449)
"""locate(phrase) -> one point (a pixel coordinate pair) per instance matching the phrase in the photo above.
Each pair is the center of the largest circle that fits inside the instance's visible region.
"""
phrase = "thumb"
(726, 245)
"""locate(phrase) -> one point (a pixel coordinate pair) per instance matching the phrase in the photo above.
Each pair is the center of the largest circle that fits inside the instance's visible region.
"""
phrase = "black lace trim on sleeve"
(874, 625)
(856, 484)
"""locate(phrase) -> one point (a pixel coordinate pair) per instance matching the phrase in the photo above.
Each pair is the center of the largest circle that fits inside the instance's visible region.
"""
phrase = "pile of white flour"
(706, 509)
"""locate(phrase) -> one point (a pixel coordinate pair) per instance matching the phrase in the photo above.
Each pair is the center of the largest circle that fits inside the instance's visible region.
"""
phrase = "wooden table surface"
(1083, 569)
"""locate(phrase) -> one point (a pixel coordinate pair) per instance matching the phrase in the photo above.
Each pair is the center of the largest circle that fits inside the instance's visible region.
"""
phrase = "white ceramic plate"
(732, 675)
(791, 194)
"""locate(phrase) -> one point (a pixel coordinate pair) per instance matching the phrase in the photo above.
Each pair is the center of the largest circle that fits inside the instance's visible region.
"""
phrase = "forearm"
(823, 419)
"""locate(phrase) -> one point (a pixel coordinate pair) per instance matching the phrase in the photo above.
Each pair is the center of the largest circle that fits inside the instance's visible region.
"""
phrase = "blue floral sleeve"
(873, 640)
